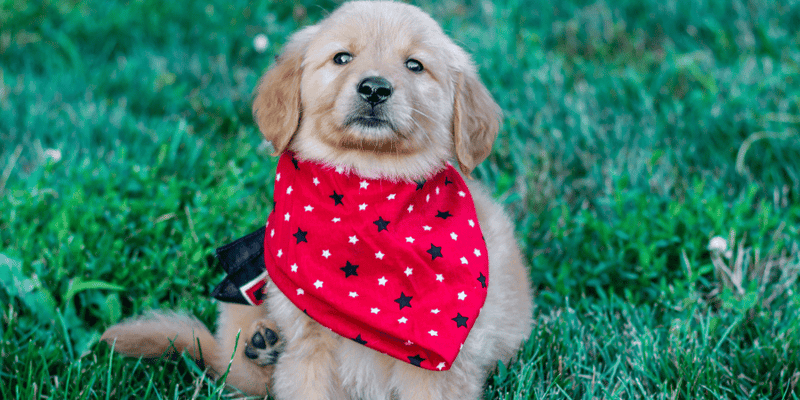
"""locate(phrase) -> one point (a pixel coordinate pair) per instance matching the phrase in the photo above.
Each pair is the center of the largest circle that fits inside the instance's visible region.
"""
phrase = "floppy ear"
(475, 121)
(276, 108)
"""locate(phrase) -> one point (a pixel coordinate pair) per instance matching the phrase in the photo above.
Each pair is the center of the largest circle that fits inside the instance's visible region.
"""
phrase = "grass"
(634, 132)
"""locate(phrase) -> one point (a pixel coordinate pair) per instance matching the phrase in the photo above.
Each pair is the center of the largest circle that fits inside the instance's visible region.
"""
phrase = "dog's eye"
(414, 65)
(342, 58)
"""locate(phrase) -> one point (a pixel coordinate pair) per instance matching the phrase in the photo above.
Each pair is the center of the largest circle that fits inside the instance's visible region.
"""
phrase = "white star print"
(435, 311)
(382, 281)
(471, 223)
(326, 253)
(391, 196)
(464, 260)
(353, 294)
(308, 208)
(437, 190)
(428, 198)
(272, 233)
(277, 177)
(409, 239)
(364, 184)
(379, 255)
(453, 235)
(280, 252)
(375, 310)
(300, 291)
(411, 207)
(440, 366)
(316, 181)
(462, 296)
(477, 253)
(440, 277)
(318, 284)
(408, 343)
(426, 227)
(289, 190)
(408, 271)
(353, 239)
(402, 320)
(286, 217)
(433, 332)
(461, 193)
(362, 207)
(294, 267)
(335, 220)
(340, 170)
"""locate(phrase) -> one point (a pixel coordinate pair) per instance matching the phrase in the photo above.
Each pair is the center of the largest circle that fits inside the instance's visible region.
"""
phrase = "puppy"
(376, 97)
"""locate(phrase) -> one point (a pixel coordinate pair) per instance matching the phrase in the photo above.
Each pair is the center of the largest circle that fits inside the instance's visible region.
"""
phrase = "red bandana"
(400, 267)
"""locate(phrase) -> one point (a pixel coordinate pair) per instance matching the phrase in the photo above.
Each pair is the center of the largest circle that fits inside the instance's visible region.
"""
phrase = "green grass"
(633, 133)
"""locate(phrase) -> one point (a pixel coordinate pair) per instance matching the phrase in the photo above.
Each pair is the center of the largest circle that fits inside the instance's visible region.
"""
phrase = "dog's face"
(377, 88)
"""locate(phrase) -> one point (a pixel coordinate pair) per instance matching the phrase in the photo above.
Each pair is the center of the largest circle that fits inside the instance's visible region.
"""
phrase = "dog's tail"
(161, 333)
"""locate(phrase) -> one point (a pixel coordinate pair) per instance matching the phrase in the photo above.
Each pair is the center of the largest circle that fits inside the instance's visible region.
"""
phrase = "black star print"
(434, 251)
(447, 181)
(359, 340)
(337, 198)
(381, 224)
(349, 270)
(460, 320)
(403, 300)
(415, 360)
(294, 161)
(300, 235)
(420, 184)
(482, 280)
(443, 215)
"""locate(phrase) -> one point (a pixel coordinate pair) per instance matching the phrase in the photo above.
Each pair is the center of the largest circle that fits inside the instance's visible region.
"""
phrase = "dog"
(375, 95)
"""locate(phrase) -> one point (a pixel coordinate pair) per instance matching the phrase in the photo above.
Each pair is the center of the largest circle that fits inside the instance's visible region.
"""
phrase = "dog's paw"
(264, 346)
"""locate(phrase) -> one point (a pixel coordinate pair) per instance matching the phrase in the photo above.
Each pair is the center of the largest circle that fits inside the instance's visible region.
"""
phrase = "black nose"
(375, 89)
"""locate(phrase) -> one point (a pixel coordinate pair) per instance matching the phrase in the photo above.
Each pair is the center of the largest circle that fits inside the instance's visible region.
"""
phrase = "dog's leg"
(463, 381)
(307, 367)
(257, 349)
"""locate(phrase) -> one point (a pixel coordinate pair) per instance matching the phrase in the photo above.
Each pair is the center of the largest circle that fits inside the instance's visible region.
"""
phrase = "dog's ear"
(276, 107)
(475, 121)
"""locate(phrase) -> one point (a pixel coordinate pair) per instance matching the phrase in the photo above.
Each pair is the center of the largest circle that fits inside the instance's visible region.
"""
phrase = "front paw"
(264, 346)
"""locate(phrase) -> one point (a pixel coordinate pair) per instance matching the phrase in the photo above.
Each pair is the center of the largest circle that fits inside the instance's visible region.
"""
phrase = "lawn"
(634, 132)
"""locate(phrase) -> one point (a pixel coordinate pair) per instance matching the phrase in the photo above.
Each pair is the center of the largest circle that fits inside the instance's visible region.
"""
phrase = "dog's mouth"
(368, 122)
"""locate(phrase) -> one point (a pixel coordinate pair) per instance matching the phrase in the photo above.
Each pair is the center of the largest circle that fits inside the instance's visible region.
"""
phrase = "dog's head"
(378, 88)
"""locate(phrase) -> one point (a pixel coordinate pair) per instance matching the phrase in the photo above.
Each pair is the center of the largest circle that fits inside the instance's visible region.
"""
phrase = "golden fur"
(306, 102)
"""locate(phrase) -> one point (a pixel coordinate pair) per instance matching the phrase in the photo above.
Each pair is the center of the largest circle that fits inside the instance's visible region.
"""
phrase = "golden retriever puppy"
(376, 93)
(375, 98)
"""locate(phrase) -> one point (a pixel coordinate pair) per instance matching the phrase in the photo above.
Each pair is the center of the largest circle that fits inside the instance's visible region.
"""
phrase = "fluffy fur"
(309, 102)
(305, 102)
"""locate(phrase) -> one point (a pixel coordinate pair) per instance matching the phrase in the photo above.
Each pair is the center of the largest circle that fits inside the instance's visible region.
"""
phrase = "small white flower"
(260, 42)
(54, 154)
(718, 244)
